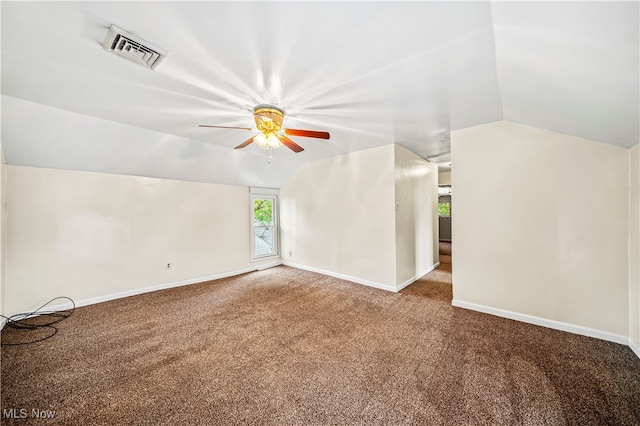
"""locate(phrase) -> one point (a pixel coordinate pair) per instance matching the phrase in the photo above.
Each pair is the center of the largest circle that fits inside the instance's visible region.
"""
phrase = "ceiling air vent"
(134, 48)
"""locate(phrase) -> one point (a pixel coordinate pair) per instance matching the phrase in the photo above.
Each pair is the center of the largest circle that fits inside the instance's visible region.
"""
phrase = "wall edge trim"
(543, 322)
(341, 276)
(269, 265)
(416, 277)
(149, 289)
(634, 347)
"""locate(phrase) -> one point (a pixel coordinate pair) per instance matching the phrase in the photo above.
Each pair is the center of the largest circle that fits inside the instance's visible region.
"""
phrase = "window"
(444, 208)
(264, 221)
(444, 200)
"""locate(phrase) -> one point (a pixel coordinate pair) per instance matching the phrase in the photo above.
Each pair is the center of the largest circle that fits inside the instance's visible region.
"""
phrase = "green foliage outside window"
(444, 209)
(263, 211)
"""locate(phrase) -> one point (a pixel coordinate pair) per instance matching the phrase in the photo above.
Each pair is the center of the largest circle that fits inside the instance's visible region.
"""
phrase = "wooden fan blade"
(290, 144)
(225, 127)
(245, 143)
(307, 133)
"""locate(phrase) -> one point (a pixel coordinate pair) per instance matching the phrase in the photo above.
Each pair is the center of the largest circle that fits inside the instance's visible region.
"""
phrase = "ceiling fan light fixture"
(272, 135)
(268, 120)
(267, 140)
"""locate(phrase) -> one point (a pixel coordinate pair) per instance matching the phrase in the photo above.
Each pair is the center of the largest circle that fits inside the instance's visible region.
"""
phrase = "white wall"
(337, 217)
(3, 231)
(90, 235)
(444, 178)
(416, 189)
(541, 226)
(634, 247)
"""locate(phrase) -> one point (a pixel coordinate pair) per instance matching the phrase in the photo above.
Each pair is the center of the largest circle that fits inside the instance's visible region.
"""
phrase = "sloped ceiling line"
(369, 73)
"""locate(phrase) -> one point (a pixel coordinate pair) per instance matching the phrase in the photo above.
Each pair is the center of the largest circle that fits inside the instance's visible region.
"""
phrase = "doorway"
(444, 213)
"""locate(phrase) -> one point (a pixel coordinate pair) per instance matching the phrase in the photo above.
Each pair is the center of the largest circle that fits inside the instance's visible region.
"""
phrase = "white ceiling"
(369, 73)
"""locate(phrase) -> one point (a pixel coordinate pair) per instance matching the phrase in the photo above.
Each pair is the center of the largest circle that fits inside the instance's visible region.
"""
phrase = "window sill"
(261, 258)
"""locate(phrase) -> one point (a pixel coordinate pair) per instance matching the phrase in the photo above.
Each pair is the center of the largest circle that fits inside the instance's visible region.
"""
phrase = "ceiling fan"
(272, 135)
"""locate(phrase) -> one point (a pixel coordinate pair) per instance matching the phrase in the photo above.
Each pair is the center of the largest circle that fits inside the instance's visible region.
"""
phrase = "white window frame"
(265, 194)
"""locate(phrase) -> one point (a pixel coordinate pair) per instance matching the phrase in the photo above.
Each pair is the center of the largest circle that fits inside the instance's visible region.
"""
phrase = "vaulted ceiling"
(369, 73)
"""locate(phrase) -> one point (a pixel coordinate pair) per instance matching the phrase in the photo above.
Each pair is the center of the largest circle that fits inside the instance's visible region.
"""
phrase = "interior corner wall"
(416, 197)
(337, 217)
(3, 231)
(541, 227)
(634, 246)
(444, 178)
(91, 235)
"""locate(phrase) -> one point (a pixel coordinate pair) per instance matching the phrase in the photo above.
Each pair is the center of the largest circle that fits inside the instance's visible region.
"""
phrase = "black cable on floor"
(19, 321)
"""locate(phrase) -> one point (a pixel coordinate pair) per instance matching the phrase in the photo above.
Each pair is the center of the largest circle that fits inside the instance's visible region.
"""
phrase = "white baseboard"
(416, 278)
(360, 280)
(269, 265)
(134, 292)
(556, 325)
(341, 276)
(635, 347)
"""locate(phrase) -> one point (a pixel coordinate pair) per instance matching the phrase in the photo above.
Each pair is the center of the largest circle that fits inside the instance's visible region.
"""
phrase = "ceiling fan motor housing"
(268, 118)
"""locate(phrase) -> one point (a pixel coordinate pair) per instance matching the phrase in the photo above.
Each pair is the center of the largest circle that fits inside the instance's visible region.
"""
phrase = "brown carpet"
(289, 347)
(445, 254)
(445, 247)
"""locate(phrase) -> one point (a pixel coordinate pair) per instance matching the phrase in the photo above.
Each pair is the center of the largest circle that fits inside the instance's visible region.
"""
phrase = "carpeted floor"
(445, 256)
(289, 347)
(444, 247)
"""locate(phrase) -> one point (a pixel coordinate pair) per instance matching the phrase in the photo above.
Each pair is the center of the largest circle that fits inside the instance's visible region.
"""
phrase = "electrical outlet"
(168, 266)
(290, 254)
